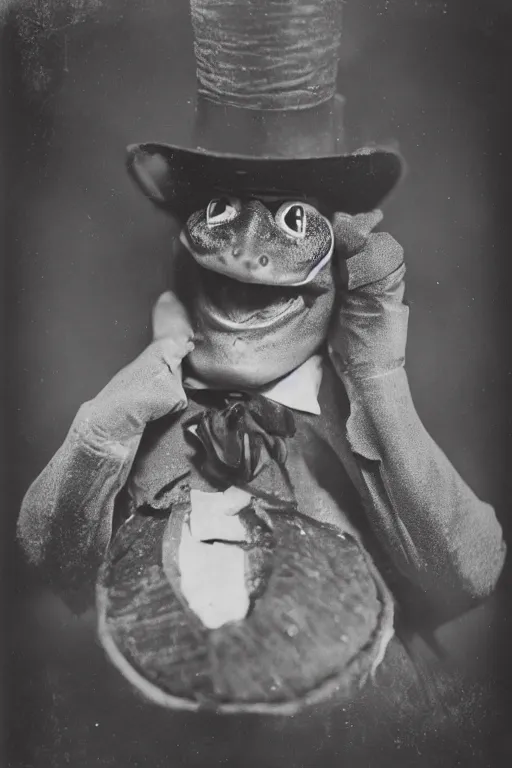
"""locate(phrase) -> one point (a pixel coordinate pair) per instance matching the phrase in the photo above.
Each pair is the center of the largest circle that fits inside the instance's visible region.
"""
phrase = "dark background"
(86, 256)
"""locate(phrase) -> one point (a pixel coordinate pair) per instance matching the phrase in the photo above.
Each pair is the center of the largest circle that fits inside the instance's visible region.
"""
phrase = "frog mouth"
(234, 304)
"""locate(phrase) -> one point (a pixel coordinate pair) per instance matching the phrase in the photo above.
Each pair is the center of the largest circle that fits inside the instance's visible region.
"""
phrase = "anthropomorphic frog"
(255, 497)
(276, 314)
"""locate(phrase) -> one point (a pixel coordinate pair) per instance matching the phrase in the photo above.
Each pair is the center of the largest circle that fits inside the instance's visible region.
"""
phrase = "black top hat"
(268, 119)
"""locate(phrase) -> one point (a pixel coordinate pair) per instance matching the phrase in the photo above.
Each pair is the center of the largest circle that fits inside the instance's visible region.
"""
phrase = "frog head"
(265, 288)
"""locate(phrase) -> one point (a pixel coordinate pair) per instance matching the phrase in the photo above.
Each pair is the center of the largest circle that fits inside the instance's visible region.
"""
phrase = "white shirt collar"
(298, 390)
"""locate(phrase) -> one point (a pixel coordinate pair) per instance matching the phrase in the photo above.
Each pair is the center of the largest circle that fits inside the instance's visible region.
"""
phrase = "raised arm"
(65, 523)
(438, 534)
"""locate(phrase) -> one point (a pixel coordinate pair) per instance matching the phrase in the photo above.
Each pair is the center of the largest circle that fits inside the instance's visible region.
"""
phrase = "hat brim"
(183, 180)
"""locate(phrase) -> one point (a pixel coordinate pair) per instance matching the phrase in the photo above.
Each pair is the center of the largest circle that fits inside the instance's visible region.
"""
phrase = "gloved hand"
(351, 232)
(363, 257)
(369, 329)
(150, 387)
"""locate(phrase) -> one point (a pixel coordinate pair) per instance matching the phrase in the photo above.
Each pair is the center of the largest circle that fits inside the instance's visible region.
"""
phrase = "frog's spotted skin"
(265, 290)
(249, 243)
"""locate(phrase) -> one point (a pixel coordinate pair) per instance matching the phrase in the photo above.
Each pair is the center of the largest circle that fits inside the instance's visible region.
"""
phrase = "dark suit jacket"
(365, 464)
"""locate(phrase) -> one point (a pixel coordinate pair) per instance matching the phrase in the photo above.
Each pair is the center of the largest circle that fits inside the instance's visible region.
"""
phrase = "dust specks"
(43, 31)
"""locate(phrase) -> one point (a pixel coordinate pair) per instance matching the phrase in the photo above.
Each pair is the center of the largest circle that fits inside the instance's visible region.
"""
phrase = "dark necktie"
(240, 435)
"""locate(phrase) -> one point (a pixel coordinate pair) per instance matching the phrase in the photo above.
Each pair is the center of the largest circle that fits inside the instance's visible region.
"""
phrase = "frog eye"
(292, 219)
(222, 209)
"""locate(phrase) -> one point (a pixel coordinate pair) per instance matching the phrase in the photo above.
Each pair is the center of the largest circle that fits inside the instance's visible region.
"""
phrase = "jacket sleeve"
(66, 517)
(438, 535)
